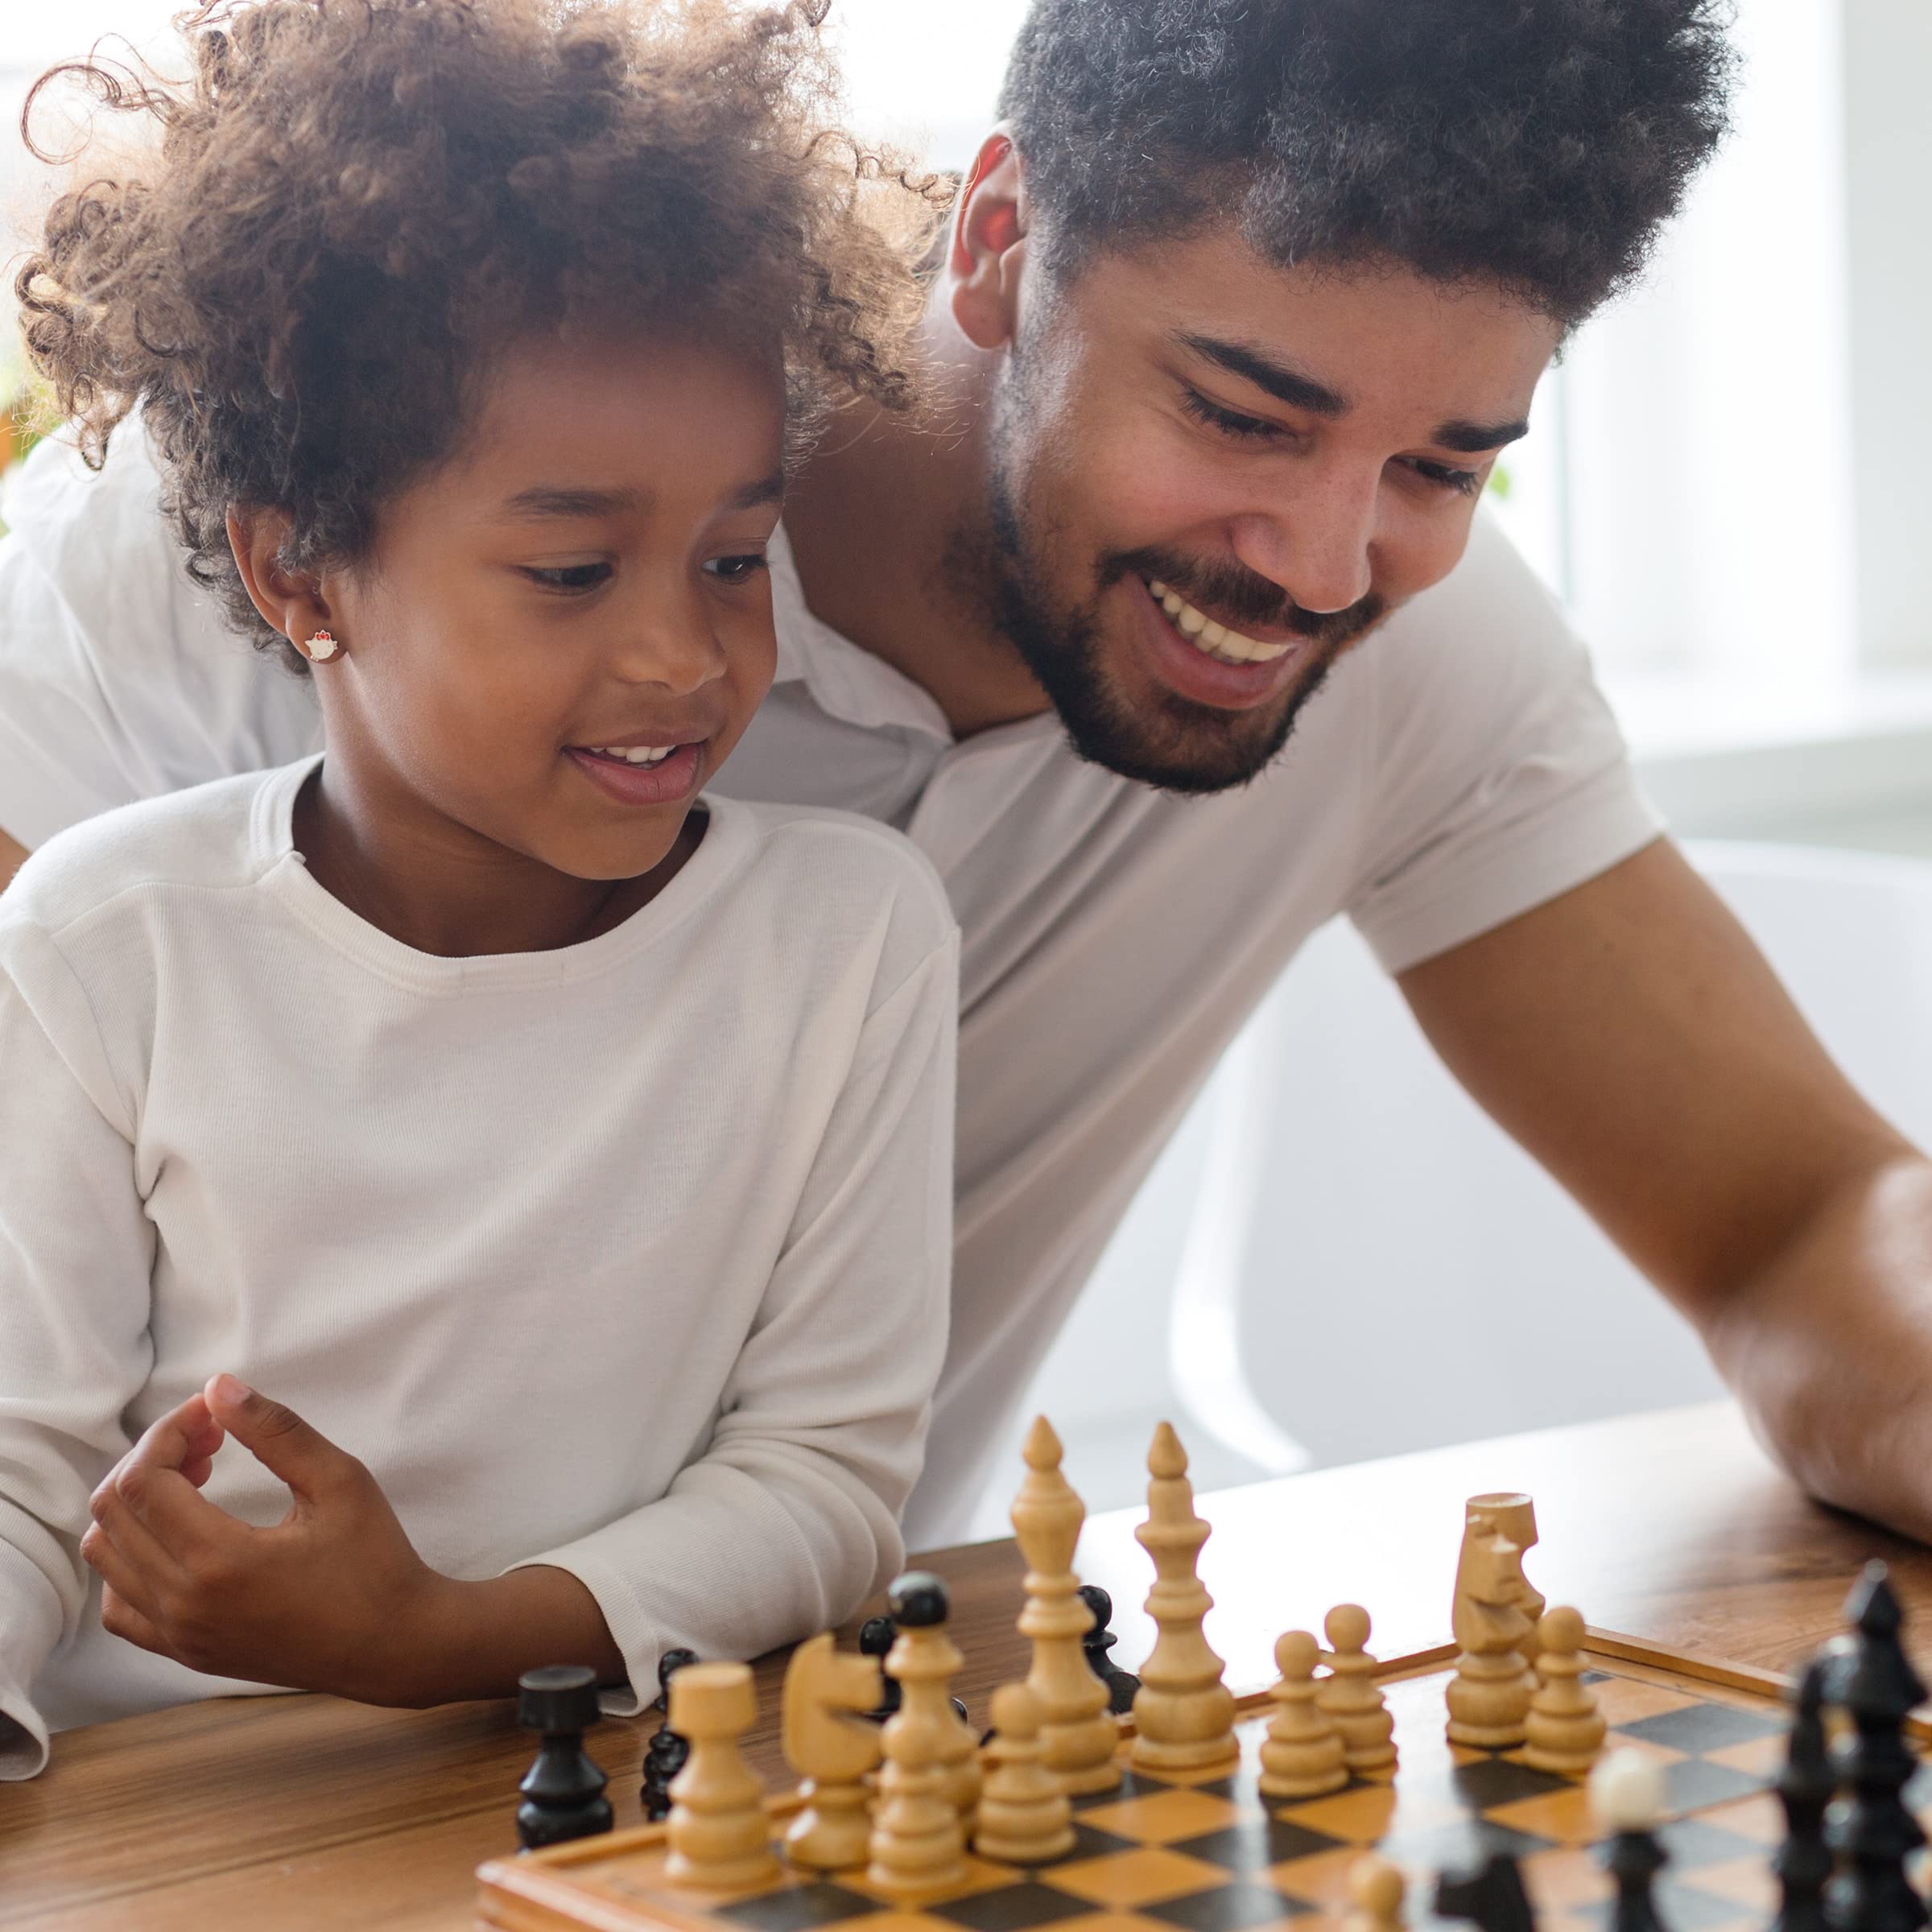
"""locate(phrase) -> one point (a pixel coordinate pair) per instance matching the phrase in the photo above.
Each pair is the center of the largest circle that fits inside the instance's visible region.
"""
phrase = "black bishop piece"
(1804, 1788)
(665, 1755)
(564, 1791)
(1868, 1676)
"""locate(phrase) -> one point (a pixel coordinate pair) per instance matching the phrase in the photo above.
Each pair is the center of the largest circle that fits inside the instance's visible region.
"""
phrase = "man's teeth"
(635, 754)
(1215, 640)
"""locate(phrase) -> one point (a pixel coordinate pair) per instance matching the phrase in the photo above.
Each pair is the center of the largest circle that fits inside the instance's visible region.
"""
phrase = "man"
(1234, 315)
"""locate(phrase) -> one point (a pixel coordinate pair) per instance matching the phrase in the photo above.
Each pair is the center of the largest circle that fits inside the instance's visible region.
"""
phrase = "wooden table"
(304, 1811)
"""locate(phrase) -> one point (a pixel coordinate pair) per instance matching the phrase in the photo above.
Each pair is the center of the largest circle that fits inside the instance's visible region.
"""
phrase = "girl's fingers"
(120, 1618)
(117, 1571)
(124, 1527)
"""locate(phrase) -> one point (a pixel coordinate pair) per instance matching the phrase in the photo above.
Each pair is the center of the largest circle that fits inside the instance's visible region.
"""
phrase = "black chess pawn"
(665, 1755)
(1120, 1684)
(1490, 1895)
(1868, 1676)
(564, 1791)
(1633, 1859)
(877, 1636)
(1804, 1788)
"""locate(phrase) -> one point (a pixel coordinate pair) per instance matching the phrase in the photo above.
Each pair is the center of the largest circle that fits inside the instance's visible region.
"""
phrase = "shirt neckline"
(727, 840)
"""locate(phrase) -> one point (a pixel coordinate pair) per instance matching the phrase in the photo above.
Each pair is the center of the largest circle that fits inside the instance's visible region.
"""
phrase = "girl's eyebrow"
(563, 500)
(557, 500)
(754, 495)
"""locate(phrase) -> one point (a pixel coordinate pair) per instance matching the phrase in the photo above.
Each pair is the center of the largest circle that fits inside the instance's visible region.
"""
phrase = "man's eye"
(736, 570)
(1230, 423)
(568, 576)
(1464, 482)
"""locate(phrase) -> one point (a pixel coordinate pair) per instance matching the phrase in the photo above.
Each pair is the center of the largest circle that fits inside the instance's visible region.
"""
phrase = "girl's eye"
(1464, 482)
(736, 570)
(569, 576)
(1230, 423)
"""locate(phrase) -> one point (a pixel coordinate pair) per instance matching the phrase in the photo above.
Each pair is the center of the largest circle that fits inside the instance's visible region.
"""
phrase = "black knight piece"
(1804, 1788)
(1869, 1677)
(1490, 1895)
(665, 1755)
(1120, 1684)
(564, 1791)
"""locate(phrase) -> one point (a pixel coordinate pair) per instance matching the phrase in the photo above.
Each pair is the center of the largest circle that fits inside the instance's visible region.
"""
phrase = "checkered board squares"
(1207, 1854)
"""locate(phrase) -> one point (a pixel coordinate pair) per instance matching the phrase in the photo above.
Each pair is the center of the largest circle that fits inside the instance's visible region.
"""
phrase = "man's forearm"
(13, 856)
(1829, 1347)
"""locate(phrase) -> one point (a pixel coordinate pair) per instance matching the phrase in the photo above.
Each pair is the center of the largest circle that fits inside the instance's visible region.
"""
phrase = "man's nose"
(1316, 545)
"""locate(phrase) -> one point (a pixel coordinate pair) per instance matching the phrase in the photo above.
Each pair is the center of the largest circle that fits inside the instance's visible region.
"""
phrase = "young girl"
(535, 1172)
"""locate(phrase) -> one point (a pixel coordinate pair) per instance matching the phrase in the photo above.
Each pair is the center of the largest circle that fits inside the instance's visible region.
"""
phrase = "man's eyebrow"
(1285, 384)
(1476, 438)
(560, 499)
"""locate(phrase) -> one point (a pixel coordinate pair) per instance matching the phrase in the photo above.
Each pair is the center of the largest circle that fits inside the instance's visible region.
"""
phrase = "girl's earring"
(320, 648)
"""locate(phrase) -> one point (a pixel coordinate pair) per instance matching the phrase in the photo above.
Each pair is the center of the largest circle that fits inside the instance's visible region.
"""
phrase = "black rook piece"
(665, 1755)
(1491, 1895)
(1804, 1788)
(1120, 1684)
(563, 1792)
(1869, 1675)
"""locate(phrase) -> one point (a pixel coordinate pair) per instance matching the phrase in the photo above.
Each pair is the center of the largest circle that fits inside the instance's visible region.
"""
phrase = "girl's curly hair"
(353, 205)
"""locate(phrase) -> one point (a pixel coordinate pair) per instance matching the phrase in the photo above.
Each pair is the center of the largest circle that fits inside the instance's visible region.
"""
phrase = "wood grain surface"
(308, 1812)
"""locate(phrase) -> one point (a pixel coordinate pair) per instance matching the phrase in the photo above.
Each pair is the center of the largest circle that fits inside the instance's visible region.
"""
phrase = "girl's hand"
(332, 1598)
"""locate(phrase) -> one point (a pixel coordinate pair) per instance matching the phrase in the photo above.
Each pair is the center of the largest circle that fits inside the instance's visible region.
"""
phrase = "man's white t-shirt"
(1458, 769)
(629, 1258)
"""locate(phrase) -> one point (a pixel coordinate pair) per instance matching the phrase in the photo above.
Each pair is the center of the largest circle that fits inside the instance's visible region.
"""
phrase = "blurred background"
(1728, 486)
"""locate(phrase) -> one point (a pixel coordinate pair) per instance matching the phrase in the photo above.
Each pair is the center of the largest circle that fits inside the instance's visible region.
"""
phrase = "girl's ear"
(987, 247)
(289, 601)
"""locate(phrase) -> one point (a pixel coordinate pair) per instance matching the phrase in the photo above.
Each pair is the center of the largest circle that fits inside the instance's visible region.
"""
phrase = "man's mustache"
(1240, 598)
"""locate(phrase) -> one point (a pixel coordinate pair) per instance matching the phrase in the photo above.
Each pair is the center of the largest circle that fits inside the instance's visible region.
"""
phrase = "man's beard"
(1171, 742)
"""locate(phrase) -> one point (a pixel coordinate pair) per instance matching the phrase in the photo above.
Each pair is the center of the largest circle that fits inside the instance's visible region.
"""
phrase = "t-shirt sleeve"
(790, 1517)
(76, 1257)
(119, 679)
(1500, 778)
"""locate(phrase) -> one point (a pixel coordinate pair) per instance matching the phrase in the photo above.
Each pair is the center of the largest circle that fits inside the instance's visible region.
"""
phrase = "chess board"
(1207, 1854)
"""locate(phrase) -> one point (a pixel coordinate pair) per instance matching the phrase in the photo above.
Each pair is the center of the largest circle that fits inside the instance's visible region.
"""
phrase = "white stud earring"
(320, 648)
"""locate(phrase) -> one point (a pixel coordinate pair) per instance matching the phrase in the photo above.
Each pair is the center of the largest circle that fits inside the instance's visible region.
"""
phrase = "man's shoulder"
(202, 839)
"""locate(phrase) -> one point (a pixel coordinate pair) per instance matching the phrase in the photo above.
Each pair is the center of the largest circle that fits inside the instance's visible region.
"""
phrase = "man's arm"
(1630, 1037)
(12, 858)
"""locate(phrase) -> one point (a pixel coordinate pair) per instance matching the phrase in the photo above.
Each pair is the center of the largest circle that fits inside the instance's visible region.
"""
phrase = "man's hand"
(13, 856)
(331, 1598)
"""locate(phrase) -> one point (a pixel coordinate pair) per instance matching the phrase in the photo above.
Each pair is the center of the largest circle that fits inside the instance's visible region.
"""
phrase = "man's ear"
(289, 601)
(988, 249)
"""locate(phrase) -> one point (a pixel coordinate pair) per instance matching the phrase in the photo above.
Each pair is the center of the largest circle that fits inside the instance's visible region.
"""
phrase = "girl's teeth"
(1215, 640)
(636, 754)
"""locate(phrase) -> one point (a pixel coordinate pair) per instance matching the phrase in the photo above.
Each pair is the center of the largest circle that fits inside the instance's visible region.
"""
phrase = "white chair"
(1371, 1266)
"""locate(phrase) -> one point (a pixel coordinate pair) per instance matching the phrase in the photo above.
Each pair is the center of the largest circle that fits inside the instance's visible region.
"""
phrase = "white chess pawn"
(1350, 1697)
(1565, 1727)
(1376, 1890)
(1025, 1818)
(1302, 1756)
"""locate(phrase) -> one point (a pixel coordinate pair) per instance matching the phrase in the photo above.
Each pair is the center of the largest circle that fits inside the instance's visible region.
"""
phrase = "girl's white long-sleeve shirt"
(629, 1258)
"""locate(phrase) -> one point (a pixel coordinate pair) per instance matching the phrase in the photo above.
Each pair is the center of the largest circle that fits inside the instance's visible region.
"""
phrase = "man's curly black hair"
(1533, 144)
